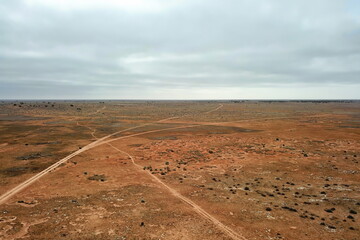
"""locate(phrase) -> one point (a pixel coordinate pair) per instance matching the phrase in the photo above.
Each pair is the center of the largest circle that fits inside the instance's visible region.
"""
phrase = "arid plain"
(180, 170)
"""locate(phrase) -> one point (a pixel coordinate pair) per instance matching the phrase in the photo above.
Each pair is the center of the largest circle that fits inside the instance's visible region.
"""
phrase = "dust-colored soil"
(179, 170)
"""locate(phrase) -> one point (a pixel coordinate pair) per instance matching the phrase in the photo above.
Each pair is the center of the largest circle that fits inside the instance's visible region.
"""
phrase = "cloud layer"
(172, 49)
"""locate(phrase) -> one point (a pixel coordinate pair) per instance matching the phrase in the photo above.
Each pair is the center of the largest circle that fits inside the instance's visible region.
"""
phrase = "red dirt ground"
(264, 170)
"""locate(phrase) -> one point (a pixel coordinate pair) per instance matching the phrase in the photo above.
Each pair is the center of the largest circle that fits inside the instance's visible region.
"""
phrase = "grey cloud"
(191, 45)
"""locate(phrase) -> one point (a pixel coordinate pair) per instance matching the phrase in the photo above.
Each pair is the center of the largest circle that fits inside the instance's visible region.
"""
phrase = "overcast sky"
(180, 49)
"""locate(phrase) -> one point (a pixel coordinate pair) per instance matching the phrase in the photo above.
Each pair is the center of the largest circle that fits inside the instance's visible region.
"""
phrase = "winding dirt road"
(100, 141)
(228, 231)
(105, 140)
(6, 196)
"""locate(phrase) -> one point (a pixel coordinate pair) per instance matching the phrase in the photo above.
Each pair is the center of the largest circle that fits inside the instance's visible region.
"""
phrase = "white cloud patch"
(125, 5)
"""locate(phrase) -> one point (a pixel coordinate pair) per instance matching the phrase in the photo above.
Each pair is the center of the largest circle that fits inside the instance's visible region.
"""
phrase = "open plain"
(180, 170)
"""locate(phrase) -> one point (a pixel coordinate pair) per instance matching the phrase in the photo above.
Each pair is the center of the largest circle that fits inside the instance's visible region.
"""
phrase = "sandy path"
(228, 231)
(215, 109)
(251, 120)
(231, 233)
(28, 182)
(6, 196)
(101, 141)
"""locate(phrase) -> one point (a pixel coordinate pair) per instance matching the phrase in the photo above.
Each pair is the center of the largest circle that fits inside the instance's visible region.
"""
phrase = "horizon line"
(149, 99)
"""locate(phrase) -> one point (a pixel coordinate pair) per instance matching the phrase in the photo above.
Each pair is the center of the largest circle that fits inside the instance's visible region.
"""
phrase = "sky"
(180, 49)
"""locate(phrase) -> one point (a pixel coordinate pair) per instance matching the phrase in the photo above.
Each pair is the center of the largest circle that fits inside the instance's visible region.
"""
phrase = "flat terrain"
(179, 170)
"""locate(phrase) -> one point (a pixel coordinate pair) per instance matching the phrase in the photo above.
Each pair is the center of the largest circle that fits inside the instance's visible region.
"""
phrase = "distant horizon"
(99, 99)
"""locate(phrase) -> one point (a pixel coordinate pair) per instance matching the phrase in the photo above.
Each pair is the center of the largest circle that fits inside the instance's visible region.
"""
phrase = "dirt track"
(241, 172)
(98, 142)
(231, 233)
